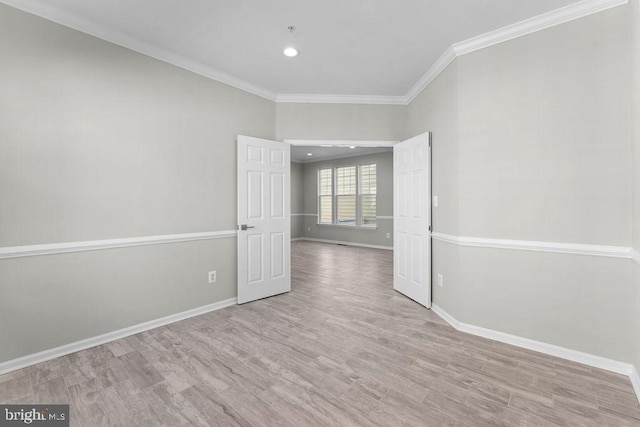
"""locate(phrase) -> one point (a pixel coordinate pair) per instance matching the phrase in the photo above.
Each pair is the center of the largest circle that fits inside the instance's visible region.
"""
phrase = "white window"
(325, 196)
(368, 192)
(347, 195)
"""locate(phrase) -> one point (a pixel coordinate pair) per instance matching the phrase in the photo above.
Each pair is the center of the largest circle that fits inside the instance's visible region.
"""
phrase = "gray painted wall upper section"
(297, 189)
(297, 200)
(634, 18)
(340, 121)
(435, 110)
(100, 142)
(544, 135)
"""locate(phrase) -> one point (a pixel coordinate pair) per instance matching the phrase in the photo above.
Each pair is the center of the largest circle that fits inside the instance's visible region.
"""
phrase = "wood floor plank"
(343, 348)
(15, 388)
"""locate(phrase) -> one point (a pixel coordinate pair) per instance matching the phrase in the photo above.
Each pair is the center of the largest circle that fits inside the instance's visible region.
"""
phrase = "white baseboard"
(445, 316)
(550, 349)
(338, 242)
(43, 356)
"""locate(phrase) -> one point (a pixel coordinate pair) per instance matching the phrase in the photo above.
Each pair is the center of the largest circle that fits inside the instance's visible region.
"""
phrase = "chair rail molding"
(94, 245)
(532, 245)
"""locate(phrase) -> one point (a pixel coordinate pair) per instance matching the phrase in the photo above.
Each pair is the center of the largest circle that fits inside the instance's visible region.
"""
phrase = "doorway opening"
(339, 197)
(342, 192)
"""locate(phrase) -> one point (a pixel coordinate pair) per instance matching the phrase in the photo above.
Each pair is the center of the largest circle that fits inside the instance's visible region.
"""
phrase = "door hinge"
(430, 229)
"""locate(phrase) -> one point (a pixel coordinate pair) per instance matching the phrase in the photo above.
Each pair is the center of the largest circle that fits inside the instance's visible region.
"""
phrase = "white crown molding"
(339, 242)
(341, 99)
(537, 23)
(531, 245)
(443, 62)
(541, 347)
(60, 248)
(510, 32)
(43, 356)
(44, 10)
(635, 256)
(541, 22)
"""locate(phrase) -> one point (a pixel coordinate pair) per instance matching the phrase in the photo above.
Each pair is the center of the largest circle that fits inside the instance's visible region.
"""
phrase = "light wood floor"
(341, 349)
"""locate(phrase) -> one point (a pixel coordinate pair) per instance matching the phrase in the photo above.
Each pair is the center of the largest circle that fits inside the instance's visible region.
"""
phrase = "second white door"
(412, 219)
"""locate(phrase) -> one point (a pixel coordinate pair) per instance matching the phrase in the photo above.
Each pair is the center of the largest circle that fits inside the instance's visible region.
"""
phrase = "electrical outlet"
(440, 280)
(435, 201)
(388, 235)
(212, 276)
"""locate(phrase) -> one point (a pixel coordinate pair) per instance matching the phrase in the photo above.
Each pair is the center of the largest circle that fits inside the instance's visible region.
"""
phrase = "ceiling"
(300, 154)
(347, 47)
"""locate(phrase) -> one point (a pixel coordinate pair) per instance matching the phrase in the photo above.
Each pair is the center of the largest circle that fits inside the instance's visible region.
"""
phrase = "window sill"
(355, 227)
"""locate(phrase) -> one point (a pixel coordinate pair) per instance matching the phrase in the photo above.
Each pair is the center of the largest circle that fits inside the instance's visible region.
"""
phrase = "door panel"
(277, 255)
(264, 246)
(412, 218)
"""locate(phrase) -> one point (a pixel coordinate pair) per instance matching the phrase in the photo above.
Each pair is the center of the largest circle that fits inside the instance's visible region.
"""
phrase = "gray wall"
(340, 121)
(436, 110)
(99, 142)
(634, 18)
(532, 140)
(384, 162)
(297, 201)
(541, 131)
(544, 135)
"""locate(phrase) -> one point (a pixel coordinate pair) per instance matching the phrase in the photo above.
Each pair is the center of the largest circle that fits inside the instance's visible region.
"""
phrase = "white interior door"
(264, 229)
(412, 219)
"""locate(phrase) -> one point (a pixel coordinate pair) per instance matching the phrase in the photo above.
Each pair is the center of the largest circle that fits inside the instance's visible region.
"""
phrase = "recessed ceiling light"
(352, 147)
(309, 154)
(291, 52)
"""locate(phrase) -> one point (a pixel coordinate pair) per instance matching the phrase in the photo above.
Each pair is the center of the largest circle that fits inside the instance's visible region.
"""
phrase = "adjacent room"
(301, 213)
